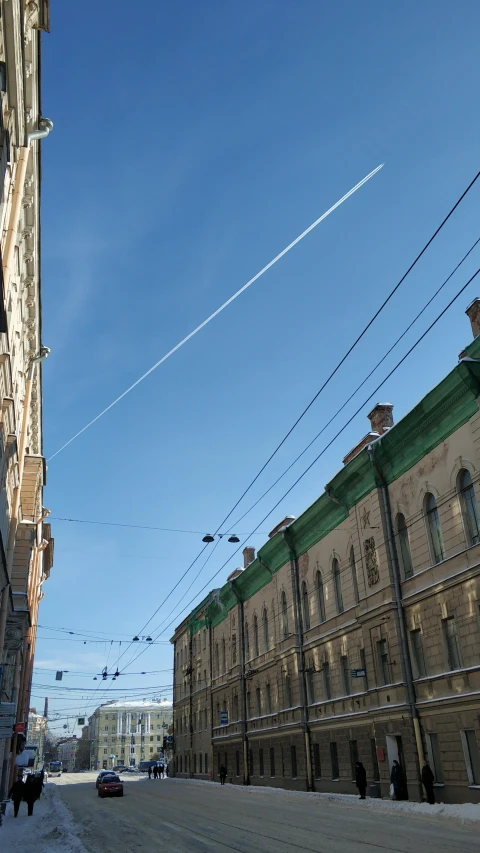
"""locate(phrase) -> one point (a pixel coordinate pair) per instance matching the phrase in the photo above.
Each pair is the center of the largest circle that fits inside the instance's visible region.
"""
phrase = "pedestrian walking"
(222, 774)
(30, 793)
(160, 771)
(155, 771)
(398, 782)
(149, 772)
(361, 779)
(427, 780)
(16, 794)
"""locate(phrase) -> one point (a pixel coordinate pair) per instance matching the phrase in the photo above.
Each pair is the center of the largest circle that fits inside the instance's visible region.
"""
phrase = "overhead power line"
(132, 526)
(325, 383)
(310, 466)
(221, 308)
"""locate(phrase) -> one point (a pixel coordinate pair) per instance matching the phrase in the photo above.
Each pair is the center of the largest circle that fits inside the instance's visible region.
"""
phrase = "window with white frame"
(404, 545)
(434, 756)
(418, 656)
(266, 636)
(337, 585)
(320, 596)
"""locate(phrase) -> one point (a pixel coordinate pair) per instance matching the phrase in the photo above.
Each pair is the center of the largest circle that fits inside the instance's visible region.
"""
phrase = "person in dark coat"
(149, 772)
(155, 771)
(397, 778)
(222, 774)
(166, 770)
(160, 771)
(30, 793)
(427, 780)
(361, 779)
(16, 794)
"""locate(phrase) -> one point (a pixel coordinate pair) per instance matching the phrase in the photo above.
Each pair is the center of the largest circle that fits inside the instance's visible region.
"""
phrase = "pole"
(399, 613)
(301, 661)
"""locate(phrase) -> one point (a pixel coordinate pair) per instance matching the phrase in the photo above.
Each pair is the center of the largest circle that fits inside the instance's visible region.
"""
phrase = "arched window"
(256, 650)
(194, 648)
(320, 596)
(204, 638)
(404, 545)
(247, 642)
(217, 660)
(305, 607)
(284, 615)
(434, 529)
(469, 507)
(337, 585)
(266, 638)
(288, 691)
(353, 570)
(224, 657)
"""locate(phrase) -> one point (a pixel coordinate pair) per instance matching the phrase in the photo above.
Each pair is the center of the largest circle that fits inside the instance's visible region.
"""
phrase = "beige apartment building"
(354, 633)
(36, 735)
(128, 732)
(26, 547)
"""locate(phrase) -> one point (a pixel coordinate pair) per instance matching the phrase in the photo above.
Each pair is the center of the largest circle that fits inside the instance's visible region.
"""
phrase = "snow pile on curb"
(464, 812)
(51, 828)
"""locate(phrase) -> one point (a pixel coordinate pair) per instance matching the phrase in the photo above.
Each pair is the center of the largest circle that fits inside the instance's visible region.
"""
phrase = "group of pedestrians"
(26, 790)
(398, 782)
(159, 771)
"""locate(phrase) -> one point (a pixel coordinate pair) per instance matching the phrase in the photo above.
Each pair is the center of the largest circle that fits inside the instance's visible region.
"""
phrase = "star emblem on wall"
(366, 517)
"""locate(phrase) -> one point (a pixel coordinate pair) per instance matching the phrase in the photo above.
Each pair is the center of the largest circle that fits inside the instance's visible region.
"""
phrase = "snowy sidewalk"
(49, 830)
(464, 812)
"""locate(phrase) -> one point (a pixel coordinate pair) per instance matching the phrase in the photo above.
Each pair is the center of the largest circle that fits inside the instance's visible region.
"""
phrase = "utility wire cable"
(357, 389)
(221, 308)
(351, 348)
(340, 431)
(349, 351)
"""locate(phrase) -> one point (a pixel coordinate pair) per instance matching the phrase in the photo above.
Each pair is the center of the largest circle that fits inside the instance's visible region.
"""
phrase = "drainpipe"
(301, 661)
(399, 611)
(243, 692)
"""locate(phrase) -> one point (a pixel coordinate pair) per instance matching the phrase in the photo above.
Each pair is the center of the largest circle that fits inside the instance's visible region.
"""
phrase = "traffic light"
(165, 742)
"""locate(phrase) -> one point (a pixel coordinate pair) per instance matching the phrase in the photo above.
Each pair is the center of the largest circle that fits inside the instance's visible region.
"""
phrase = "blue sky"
(192, 142)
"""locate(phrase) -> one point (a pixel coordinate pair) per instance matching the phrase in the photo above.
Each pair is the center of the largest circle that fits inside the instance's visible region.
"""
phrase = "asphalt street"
(183, 817)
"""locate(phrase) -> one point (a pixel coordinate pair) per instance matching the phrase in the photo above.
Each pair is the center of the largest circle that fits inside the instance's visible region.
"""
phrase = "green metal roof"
(440, 413)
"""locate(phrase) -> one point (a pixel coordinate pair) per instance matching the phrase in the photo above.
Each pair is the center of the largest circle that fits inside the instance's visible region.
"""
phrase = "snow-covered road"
(181, 816)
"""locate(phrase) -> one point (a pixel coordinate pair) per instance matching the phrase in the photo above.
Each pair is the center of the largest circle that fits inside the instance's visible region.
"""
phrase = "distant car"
(110, 786)
(129, 770)
(119, 768)
(102, 774)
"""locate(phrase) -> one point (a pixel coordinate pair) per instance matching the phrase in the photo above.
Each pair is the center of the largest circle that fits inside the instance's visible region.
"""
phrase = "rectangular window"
(383, 663)
(200, 756)
(316, 761)
(268, 699)
(346, 675)
(261, 768)
(206, 762)
(288, 691)
(376, 769)
(272, 761)
(234, 649)
(250, 761)
(259, 702)
(472, 756)
(237, 763)
(327, 693)
(195, 763)
(105, 751)
(353, 756)
(434, 757)
(451, 640)
(293, 753)
(235, 707)
(334, 760)
(418, 657)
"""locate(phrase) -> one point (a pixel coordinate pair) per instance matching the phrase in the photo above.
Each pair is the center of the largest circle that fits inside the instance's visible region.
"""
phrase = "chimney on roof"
(284, 523)
(235, 574)
(473, 314)
(381, 418)
(248, 556)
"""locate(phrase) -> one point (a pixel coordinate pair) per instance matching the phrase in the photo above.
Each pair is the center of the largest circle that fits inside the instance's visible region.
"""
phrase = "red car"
(110, 786)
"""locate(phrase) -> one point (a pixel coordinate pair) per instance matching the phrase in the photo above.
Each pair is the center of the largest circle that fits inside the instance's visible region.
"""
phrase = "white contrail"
(218, 311)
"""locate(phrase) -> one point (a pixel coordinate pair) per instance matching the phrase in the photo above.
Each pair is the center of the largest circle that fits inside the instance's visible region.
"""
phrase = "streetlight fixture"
(209, 538)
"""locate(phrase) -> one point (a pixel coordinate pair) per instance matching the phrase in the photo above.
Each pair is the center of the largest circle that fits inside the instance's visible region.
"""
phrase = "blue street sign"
(359, 673)
(224, 718)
